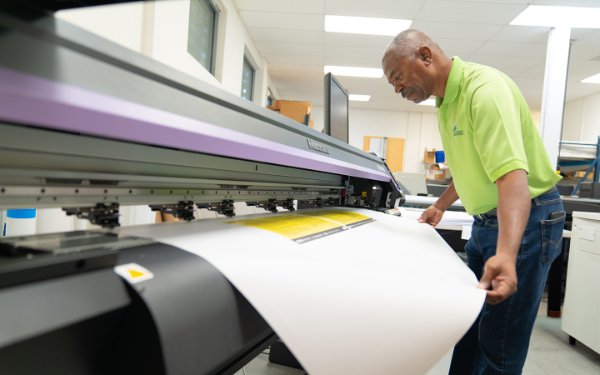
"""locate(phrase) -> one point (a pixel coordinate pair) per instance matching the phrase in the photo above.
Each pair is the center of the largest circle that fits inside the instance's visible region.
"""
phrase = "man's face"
(408, 76)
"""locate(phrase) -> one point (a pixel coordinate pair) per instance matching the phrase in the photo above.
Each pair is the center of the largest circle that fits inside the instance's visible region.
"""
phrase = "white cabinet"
(581, 310)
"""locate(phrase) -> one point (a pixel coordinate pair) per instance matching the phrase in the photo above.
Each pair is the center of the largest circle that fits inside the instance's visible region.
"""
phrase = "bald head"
(416, 66)
(407, 43)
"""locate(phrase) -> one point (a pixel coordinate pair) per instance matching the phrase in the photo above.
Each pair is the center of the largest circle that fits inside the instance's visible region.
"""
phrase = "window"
(247, 80)
(202, 28)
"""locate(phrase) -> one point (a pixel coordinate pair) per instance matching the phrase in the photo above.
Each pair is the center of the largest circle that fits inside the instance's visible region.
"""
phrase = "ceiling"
(290, 36)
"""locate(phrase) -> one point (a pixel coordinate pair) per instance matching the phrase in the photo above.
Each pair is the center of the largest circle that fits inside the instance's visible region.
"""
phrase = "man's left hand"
(499, 278)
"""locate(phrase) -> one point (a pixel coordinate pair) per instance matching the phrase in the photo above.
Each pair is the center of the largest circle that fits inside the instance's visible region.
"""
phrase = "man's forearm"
(448, 197)
(514, 204)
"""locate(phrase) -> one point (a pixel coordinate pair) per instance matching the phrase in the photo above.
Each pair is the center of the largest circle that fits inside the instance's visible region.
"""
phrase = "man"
(503, 177)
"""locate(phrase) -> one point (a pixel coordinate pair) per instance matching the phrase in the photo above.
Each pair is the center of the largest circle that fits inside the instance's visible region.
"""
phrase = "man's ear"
(425, 54)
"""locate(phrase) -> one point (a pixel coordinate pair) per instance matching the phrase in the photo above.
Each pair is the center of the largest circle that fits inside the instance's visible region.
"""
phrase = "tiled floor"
(549, 354)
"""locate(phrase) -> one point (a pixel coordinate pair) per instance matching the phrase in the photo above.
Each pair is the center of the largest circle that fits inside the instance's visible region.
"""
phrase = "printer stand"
(281, 355)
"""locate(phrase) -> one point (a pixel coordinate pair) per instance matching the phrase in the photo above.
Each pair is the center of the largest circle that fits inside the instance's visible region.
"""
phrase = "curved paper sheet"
(370, 294)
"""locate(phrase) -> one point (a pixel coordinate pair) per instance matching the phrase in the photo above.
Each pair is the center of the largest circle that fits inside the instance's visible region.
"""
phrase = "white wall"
(120, 23)
(582, 120)
(237, 41)
(419, 130)
(169, 39)
(170, 47)
(160, 30)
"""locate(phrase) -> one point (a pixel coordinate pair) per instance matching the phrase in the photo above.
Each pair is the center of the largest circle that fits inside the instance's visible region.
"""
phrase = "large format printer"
(88, 126)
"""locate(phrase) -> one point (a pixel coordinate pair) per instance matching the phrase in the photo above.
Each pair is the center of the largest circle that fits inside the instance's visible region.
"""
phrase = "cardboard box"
(429, 156)
(274, 105)
(296, 110)
(438, 172)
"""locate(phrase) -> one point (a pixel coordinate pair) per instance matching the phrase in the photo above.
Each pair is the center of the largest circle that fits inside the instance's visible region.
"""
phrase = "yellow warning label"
(306, 226)
(133, 272)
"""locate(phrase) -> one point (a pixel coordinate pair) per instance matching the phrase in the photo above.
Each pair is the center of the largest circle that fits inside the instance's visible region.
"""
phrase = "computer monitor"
(336, 109)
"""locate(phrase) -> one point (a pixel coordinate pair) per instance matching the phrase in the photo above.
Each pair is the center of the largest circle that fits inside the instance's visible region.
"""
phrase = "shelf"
(579, 156)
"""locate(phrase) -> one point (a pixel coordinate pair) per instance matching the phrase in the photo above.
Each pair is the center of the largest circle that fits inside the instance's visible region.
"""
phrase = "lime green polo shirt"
(487, 131)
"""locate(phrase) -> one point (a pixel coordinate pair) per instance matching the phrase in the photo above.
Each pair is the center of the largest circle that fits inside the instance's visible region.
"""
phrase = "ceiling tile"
(369, 61)
(586, 37)
(581, 69)
(521, 2)
(459, 30)
(574, 3)
(361, 51)
(292, 69)
(290, 48)
(497, 13)
(505, 62)
(458, 47)
(281, 6)
(345, 39)
(536, 72)
(297, 59)
(290, 37)
(522, 34)
(286, 36)
(513, 49)
(374, 8)
(275, 20)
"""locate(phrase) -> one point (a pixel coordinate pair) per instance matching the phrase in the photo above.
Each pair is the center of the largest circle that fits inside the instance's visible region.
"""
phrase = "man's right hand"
(432, 216)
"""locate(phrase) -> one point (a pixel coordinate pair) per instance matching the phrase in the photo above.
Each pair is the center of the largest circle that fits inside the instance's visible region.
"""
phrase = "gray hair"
(406, 43)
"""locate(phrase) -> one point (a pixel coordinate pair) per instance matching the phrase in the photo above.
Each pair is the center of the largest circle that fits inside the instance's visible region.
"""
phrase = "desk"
(436, 189)
(452, 220)
(424, 202)
(580, 204)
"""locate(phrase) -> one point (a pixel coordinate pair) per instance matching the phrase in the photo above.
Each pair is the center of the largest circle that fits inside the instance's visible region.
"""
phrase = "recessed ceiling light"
(575, 17)
(359, 98)
(353, 71)
(429, 102)
(366, 25)
(592, 79)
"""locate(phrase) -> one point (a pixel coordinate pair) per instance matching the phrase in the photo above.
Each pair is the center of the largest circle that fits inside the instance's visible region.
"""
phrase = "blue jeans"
(498, 341)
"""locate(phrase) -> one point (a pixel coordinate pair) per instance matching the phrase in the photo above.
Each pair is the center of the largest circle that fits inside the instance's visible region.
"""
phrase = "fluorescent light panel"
(552, 16)
(353, 71)
(359, 98)
(365, 25)
(593, 79)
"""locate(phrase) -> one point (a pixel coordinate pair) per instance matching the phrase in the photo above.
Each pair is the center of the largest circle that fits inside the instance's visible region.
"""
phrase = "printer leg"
(281, 355)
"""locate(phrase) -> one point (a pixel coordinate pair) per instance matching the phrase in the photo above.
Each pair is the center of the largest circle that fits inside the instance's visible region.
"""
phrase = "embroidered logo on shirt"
(456, 131)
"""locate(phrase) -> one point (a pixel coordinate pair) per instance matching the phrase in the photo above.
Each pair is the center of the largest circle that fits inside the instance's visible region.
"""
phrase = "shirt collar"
(453, 83)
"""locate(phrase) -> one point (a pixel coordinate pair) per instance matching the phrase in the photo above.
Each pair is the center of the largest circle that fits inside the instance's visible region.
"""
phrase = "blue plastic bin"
(440, 157)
